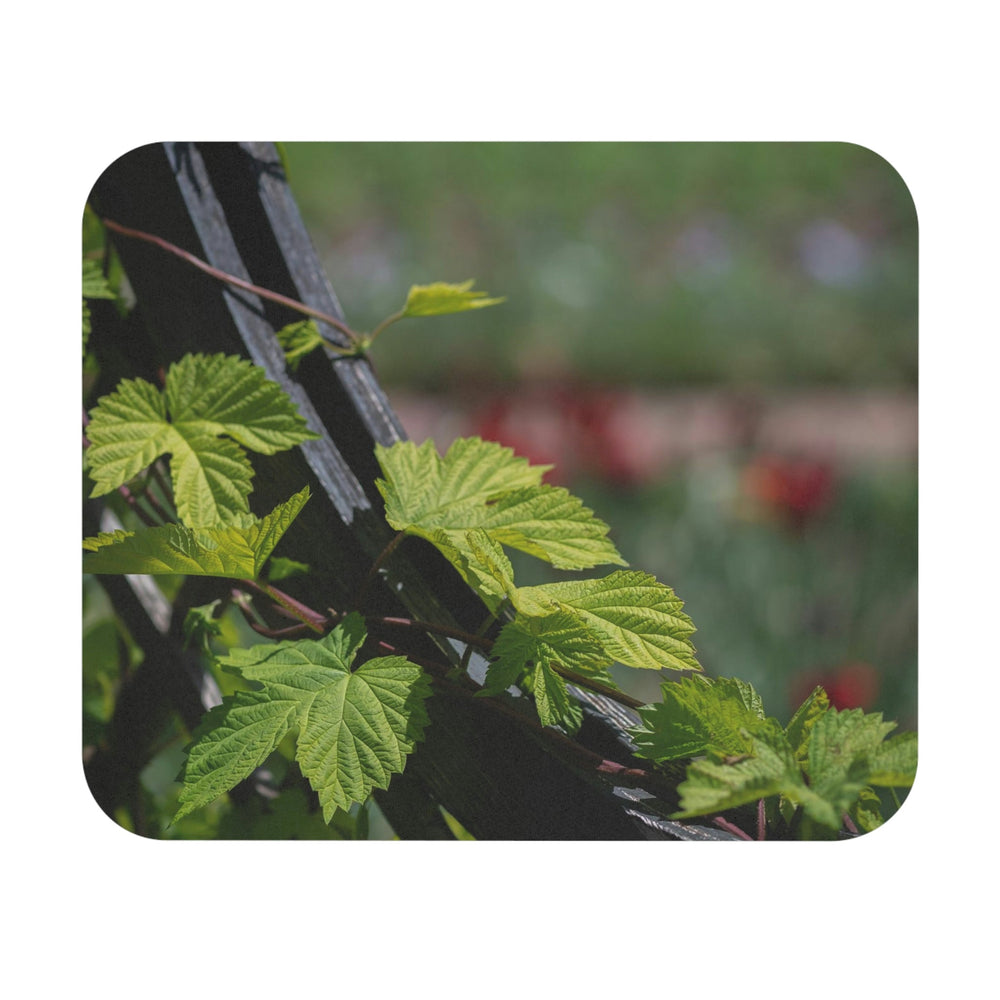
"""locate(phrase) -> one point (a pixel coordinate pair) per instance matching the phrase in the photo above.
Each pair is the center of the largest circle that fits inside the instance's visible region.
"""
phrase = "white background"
(94, 909)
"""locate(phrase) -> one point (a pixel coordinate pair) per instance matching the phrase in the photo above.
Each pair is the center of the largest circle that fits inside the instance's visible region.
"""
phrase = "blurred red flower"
(854, 684)
(793, 489)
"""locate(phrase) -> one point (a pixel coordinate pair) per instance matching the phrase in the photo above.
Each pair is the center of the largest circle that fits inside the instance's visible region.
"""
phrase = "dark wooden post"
(229, 204)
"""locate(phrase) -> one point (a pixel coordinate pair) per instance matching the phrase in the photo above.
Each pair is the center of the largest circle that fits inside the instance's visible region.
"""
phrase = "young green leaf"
(480, 485)
(238, 550)
(530, 651)
(201, 625)
(440, 298)
(638, 618)
(825, 762)
(842, 749)
(483, 564)
(800, 726)
(712, 786)
(552, 701)
(421, 487)
(95, 285)
(298, 340)
(355, 728)
(697, 717)
(558, 638)
(204, 397)
(281, 568)
(867, 811)
(894, 762)
(104, 538)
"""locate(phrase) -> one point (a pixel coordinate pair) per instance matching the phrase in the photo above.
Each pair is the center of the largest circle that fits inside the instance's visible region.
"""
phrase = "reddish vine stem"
(158, 508)
(126, 494)
(295, 609)
(480, 642)
(231, 279)
(723, 824)
(133, 502)
(163, 480)
(317, 622)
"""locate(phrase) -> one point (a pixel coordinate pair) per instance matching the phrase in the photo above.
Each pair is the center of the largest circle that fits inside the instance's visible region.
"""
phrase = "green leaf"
(484, 564)
(842, 748)
(280, 568)
(824, 762)
(558, 638)
(554, 705)
(698, 717)
(421, 487)
(354, 728)
(639, 619)
(440, 298)
(201, 625)
(95, 285)
(713, 786)
(204, 397)
(298, 340)
(894, 763)
(529, 651)
(237, 550)
(106, 538)
(867, 811)
(482, 485)
(804, 719)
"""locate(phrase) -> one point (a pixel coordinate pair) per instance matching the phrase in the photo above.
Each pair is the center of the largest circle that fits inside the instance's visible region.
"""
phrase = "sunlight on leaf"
(236, 550)
(299, 339)
(355, 727)
(482, 486)
(441, 298)
(639, 619)
(204, 397)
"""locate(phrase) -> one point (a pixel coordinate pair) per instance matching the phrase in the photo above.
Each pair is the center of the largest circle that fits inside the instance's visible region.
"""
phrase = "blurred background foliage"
(639, 263)
(715, 343)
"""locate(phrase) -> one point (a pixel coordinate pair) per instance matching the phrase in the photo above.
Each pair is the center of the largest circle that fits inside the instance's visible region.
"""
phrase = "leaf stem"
(295, 609)
(597, 687)
(163, 481)
(133, 501)
(479, 641)
(370, 339)
(723, 824)
(231, 279)
(150, 497)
